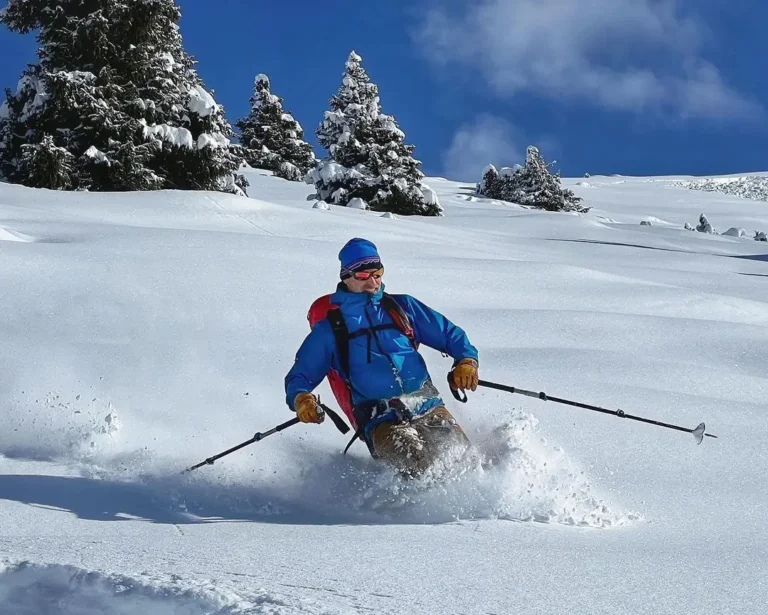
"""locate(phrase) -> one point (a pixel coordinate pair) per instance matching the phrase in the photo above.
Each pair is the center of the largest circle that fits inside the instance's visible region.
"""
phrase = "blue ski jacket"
(382, 364)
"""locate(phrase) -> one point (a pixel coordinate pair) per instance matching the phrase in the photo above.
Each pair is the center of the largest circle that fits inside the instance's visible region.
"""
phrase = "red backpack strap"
(401, 319)
(321, 309)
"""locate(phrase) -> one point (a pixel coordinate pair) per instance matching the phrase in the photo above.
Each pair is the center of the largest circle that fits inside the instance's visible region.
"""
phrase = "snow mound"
(27, 589)
(655, 220)
(735, 232)
(9, 235)
(357, 203)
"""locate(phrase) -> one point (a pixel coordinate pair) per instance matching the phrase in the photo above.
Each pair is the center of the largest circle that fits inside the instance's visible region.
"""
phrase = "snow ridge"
(752, 187)
(27, 588)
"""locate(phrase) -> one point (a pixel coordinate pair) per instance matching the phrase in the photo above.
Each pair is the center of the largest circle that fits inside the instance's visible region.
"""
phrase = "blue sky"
(637, 87)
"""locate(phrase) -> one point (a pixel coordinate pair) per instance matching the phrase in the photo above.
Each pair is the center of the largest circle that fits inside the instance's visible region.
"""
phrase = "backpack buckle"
(402, 412)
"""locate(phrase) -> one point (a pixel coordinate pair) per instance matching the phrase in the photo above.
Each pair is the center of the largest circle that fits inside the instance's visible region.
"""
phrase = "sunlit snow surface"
(143, 333)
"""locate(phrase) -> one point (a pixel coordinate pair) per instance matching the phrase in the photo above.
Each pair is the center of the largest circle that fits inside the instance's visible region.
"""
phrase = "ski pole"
(698, 432)
(337, 421)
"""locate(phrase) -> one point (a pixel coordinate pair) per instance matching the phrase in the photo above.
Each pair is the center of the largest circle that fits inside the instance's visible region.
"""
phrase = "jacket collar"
(342, 296)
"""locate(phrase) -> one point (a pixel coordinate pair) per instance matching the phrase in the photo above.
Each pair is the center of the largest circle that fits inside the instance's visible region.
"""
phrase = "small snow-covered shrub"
(532, 185)
(749, 187)
(704, 226)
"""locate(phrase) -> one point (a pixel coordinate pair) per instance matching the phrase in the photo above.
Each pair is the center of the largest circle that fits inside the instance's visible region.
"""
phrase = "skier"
(369, 340)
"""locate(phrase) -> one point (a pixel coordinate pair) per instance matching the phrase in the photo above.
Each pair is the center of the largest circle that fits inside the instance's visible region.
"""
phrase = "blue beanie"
(357, 255)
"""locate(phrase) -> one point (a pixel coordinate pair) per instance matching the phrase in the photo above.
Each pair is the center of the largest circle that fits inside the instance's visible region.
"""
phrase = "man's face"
(370, 285)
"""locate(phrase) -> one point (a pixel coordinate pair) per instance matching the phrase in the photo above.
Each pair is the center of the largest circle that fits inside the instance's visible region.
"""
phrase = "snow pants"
(412, 447)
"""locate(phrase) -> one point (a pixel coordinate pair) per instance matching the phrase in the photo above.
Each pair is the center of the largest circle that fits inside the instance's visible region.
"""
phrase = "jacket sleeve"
(436, 331)
(312, 363)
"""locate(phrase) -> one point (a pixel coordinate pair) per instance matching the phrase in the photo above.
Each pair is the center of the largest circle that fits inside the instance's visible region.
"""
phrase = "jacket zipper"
(372, 333)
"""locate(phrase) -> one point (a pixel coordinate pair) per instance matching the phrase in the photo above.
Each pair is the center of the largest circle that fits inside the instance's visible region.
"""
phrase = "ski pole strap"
(351, 442)
(337, 420)
(457, 394)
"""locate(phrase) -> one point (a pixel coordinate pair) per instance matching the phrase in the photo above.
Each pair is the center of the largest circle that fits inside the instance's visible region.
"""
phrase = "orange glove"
(465, 375)
(306, 408)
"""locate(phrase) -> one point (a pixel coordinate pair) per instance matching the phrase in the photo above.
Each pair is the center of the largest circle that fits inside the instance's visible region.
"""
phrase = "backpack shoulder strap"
(400, 317)
(341, 333)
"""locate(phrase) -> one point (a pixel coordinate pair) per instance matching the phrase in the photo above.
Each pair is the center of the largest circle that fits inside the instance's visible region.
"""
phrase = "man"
(398, 410)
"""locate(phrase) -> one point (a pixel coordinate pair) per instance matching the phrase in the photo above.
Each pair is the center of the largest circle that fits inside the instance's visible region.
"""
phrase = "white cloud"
(630, 55)
(486, 139)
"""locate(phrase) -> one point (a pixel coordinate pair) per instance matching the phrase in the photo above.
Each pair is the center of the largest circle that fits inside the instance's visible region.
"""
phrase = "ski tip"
(698, 433)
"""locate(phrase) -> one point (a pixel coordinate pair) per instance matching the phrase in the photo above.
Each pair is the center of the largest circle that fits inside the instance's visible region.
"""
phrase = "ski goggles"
(367, 275)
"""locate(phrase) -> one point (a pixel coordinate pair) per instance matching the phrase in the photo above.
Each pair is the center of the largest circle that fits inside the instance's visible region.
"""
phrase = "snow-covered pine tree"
(491, 183)
(368, 158)
(532, 185)
(47, 166)
(115, 88)
(271, 138)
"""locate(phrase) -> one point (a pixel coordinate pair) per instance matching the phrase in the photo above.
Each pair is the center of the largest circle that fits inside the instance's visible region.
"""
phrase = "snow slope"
(142, 333)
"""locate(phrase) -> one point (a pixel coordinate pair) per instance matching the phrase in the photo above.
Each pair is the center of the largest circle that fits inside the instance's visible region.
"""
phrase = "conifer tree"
(271, 138)
(114, 88)
(47, 166)
(368, 158)
(532, 185)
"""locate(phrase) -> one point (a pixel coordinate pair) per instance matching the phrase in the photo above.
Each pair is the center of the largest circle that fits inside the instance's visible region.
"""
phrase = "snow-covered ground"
(142, 333)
